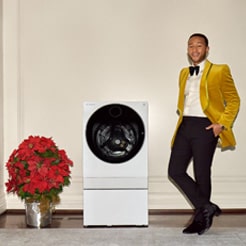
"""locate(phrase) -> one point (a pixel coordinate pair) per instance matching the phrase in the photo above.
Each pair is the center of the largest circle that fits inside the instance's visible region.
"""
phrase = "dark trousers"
(193, 143)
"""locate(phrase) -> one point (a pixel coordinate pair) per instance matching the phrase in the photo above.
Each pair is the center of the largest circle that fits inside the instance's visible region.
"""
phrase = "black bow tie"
(194, 69)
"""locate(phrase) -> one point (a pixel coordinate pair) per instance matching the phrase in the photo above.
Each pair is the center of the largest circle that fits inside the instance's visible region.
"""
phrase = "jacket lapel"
(182, 83)
(204, 96)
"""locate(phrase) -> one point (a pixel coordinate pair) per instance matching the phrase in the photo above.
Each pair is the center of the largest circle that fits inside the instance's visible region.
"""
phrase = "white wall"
(59, 53)
(2, 196)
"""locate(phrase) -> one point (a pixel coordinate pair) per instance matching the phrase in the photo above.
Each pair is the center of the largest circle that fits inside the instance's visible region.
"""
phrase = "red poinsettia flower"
(38, 169)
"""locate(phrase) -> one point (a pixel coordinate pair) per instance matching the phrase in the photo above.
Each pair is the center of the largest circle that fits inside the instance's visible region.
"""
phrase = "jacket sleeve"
(231, 99)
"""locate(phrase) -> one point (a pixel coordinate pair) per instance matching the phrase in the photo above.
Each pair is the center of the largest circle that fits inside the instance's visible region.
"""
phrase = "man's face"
(197, 49)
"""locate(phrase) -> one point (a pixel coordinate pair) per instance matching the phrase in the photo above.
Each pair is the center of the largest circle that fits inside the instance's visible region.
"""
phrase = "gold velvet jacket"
(219, 99)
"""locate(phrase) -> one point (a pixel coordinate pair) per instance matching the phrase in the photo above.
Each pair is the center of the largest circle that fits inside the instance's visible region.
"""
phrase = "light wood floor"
(160, 219)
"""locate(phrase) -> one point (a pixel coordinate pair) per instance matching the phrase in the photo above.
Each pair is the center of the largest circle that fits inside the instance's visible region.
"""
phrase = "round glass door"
(115, 133)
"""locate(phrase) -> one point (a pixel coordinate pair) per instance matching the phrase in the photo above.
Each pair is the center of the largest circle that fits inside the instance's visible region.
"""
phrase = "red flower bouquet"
(38, 170)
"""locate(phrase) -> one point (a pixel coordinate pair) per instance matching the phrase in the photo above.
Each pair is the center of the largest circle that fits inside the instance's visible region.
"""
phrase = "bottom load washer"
(115, 207)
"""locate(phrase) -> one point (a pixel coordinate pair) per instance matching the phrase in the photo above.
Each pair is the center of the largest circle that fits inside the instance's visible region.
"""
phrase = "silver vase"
(35, 217)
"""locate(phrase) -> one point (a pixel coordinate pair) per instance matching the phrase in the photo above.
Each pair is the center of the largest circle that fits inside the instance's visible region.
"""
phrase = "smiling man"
(208, 104)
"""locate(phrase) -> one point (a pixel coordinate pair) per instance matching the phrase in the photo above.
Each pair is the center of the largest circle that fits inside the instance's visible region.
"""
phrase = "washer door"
(115, 133)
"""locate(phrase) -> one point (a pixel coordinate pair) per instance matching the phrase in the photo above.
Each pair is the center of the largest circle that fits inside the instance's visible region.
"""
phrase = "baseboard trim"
(151, 211)
(190, 211)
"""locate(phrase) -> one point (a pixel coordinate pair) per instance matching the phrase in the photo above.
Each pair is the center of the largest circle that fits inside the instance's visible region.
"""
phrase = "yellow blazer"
(219, 99)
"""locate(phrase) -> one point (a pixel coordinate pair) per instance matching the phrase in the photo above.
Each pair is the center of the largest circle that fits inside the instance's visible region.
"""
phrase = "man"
(208, 104)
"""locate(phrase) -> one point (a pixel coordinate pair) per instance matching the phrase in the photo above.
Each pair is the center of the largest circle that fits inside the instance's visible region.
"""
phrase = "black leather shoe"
(203, 219)
(196, 225)
(209, 211)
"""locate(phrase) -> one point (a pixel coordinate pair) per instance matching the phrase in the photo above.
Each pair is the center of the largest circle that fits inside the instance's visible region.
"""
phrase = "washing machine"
(115, 163)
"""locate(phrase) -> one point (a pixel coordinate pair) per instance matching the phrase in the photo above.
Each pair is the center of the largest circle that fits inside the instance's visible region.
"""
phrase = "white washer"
(115, 163)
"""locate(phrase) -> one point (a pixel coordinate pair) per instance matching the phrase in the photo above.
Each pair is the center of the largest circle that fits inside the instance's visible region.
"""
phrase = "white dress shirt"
(192, 105)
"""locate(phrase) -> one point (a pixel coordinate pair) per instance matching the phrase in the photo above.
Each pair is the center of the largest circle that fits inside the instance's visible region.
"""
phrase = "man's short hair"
(200, 35)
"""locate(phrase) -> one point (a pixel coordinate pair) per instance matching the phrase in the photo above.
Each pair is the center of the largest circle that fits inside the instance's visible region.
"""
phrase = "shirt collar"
(201, 65)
